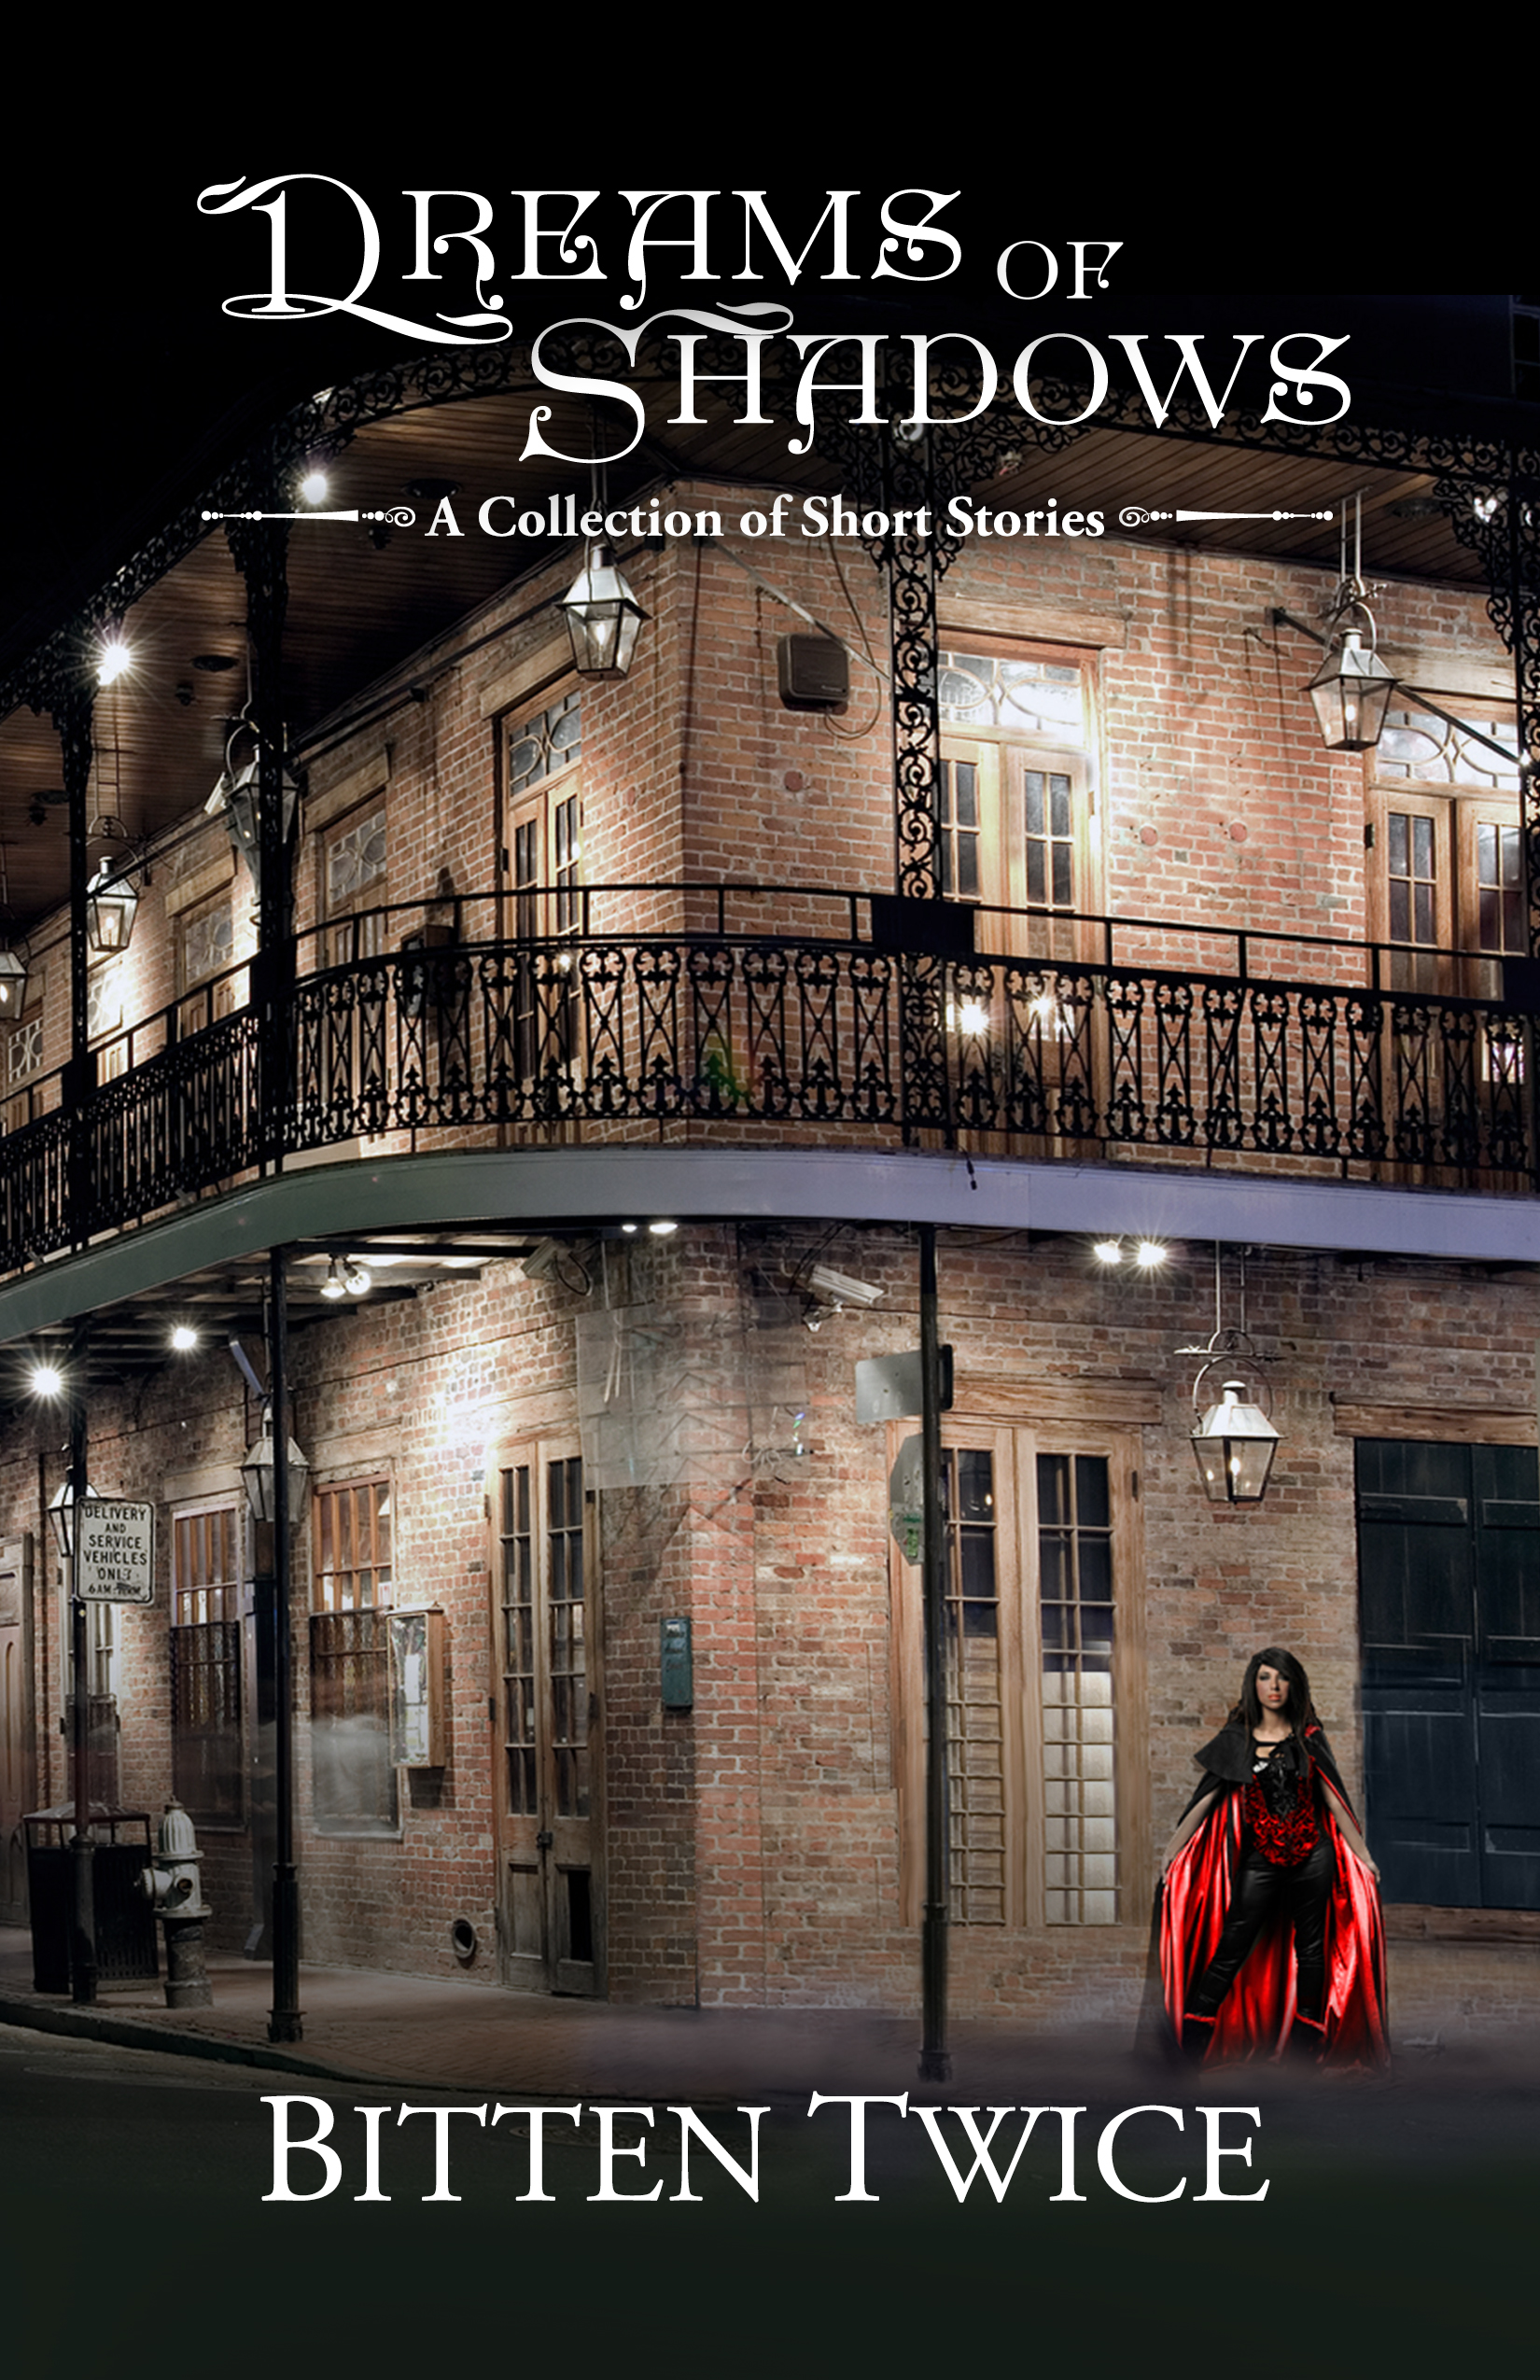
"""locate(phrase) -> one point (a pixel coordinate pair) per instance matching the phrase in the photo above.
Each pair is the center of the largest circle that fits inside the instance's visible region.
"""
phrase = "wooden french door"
(550, 1901)
(1449, 1577)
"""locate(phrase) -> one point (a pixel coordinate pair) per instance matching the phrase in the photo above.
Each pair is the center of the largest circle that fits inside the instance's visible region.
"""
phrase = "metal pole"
(82, 1962)
(285, 2024)
(935, 2064)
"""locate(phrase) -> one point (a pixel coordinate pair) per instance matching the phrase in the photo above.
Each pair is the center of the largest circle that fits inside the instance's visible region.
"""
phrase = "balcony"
(785, 1016)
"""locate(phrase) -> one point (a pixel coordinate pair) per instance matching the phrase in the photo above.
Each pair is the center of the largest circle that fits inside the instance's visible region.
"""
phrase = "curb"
(126, 2033)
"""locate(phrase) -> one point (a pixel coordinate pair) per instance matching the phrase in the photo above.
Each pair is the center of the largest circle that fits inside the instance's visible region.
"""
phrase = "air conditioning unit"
(814, 673)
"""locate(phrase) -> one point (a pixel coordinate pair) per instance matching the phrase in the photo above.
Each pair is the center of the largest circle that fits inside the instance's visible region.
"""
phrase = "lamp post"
(274, 1488)
(64, 1518)
(935, 2064)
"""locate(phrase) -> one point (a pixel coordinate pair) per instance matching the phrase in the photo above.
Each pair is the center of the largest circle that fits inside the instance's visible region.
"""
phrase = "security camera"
(840, 1289)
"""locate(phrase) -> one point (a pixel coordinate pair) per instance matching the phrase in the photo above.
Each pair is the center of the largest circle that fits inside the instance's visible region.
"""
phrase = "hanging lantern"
(13, 985)
(237, 799)
(112, 902)
(257, 1474)
(603, 617)
(61, 1514)
(1351, 689)
(1233, 1443)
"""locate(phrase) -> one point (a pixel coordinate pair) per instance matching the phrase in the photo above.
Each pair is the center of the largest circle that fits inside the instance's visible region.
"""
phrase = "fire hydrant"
(174, 1887)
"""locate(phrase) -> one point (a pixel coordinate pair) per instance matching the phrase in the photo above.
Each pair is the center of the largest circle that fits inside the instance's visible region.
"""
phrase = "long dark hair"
(1301, 1709)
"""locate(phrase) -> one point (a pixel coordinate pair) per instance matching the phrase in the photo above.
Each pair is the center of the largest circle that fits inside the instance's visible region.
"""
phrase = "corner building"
(1066, 929)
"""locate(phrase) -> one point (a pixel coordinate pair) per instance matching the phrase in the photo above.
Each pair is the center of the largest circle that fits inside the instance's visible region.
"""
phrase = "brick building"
(593, 1052)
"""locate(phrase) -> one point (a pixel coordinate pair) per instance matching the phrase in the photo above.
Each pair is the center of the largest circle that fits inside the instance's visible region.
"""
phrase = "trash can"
(127, 1951)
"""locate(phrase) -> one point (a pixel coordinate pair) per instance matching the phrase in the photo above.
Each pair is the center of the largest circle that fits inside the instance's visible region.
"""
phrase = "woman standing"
(1268, 1925)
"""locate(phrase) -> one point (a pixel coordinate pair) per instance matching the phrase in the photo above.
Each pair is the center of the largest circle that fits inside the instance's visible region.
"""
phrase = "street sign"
(114, 1556)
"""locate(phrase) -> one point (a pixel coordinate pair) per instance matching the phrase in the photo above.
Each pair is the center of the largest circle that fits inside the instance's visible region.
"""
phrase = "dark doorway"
(1449, 1571)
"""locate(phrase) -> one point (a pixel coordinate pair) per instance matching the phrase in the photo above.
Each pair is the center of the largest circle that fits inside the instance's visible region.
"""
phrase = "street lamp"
(257, 1472)
(61, 1514)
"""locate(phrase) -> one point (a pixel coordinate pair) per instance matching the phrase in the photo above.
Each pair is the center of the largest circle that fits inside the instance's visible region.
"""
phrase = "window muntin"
(544, 745)
(207, 1594)
(1418, 747)
(24, 1050)
(355, 858)
(1030, 693)
(1047, 1814)
(354, 1782)
(1076, 1606)
(975, 1730)
(544, 1639)
(354, 862)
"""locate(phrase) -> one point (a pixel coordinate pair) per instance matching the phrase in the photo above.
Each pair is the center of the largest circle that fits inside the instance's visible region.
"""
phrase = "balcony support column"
(1503, 528)
(70, 706)
(285, 2020)
(83, 1956)
(259, 550)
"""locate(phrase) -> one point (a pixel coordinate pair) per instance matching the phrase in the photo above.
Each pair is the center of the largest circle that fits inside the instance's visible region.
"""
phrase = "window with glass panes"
(1447, 879)
(353, 1779)
(542, 857)
(1076, 1612)
(1039, 1543)
(1014, 812)
(207, 1596)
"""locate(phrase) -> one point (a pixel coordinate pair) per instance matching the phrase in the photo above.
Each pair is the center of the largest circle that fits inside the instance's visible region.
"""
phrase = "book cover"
(937, 862)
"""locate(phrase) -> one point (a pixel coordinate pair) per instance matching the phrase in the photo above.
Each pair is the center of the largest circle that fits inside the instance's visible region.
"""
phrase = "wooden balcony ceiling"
(226, 1301)
(364, 602)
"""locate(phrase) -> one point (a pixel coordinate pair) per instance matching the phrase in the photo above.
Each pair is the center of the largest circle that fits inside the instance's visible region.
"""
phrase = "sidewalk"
(363, 2025)
(454, 2035)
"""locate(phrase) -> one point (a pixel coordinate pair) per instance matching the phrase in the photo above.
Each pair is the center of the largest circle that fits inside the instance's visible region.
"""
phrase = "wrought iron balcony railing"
(784, 1015)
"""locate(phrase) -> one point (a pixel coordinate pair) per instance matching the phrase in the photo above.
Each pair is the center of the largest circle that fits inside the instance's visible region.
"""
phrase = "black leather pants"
(1261, 1893)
